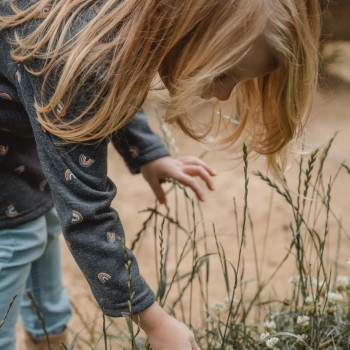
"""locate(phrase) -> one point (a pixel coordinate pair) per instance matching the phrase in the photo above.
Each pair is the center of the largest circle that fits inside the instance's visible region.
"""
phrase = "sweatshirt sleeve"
(138, 144)
(82, 193)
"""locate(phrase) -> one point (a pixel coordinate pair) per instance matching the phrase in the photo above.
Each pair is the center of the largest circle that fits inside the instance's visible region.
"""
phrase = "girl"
(76, 72)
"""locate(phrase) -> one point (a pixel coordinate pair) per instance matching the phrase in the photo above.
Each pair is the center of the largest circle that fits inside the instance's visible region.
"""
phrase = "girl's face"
(258, 62)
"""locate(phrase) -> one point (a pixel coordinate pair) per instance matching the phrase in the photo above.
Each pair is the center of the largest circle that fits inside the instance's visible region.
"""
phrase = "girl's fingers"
(158, 191)
(196, 170)
(197, 161)
(190, 182)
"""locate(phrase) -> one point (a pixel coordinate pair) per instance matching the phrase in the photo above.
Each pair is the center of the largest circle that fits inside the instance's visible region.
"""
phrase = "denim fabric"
(30, 260)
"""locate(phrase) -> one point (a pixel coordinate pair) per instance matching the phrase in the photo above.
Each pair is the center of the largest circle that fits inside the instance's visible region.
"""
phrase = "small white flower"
(271, 325)
(294, 280)
(212, 319)
(309, 299)
(302, 337)
(271, 342)
(334, 297)
(264, 335)
(218, 306)
(303, 320)
(313, 282)
(342, 282)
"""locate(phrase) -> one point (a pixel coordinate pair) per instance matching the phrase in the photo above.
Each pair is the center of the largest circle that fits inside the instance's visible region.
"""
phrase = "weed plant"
(316, 314)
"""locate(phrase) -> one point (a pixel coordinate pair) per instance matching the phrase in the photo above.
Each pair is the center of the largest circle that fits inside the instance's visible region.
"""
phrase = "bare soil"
(271, 236)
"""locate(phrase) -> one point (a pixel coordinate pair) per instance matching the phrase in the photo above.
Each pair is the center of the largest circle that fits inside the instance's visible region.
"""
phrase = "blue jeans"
(30, 260)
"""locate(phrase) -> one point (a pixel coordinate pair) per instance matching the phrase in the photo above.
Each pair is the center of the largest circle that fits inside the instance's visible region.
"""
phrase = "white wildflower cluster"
(334, 297)
(212, 319)
(218, 306)
(270, 343)
(309, 299)
(342, 282)
(264, 335)
(270, 325)
(302, 337)
(295, 280)
(303, 321)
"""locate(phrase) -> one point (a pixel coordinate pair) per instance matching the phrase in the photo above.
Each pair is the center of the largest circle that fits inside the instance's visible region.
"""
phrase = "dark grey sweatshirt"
(37, 172)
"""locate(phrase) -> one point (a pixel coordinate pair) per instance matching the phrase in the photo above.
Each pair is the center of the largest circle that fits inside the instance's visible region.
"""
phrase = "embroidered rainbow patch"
(104, 277)
(20, 169)
(69, 175)
(110, 237)
(44, 11)
(60, 109)
(5, 96)
(76, 217)
(11, 212)
(4, 150)
(85, 162)
(42, 185)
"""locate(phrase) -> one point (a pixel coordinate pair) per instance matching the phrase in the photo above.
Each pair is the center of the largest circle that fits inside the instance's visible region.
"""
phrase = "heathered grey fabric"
(37, 172)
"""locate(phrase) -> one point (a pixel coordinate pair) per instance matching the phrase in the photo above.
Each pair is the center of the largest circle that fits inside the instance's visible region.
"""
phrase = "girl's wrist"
(150, 318)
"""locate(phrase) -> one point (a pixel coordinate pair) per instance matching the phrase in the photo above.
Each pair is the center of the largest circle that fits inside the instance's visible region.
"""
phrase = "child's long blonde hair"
(119, 51)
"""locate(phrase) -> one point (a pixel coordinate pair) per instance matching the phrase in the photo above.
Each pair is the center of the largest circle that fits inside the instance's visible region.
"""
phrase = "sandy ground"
(267, 243)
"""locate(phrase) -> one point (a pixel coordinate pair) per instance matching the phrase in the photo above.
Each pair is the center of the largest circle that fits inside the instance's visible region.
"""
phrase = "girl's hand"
(182, 170)
(165, 332)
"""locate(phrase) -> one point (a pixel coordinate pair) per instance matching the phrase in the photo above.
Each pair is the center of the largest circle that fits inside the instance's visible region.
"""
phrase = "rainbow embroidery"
(76, 217)
(69, 175)
(85, 162)
(44, 11)
(60, 109)
(11, 212)
(4, 150)
(5, 96)
(110, 237)
(42, 185)
(18, 76)
(104, 277)
(134, 151)
(20, 169)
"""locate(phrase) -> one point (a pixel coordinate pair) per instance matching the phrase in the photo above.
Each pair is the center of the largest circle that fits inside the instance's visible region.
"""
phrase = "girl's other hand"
(165, 332)
(182, 170)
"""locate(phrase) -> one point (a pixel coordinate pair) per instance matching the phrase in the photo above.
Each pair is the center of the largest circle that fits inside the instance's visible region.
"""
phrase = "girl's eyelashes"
(221, 77)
